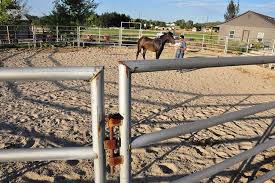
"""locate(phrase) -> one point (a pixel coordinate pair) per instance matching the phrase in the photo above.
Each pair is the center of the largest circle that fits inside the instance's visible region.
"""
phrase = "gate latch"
(111, 144)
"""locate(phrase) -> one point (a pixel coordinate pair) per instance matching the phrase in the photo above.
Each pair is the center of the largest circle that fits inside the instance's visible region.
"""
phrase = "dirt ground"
(57, 114)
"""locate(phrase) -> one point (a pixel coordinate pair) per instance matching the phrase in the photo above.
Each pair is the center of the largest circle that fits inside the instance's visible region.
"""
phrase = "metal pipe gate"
(95, 75)
(127, 68)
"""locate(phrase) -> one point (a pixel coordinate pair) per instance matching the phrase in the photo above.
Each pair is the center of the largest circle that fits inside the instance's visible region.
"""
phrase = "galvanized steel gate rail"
(96, 76)
(127, 68)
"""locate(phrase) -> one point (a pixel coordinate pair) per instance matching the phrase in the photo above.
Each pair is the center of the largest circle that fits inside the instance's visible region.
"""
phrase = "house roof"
(265, 17)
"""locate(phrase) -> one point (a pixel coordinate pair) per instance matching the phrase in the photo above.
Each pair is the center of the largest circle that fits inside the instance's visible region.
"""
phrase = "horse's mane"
(167, 33)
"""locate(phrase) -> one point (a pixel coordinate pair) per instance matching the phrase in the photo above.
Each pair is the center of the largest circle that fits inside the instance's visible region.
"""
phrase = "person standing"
(181, 48)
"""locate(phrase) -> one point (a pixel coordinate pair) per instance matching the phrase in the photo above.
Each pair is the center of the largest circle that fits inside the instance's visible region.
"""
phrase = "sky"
(167, 10)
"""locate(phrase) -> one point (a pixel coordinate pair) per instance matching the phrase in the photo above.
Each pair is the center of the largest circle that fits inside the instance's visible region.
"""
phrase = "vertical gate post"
(99, 35)
(273, 47)
(226, 45)
(140, 31)
(78, 36)
(34, 36)
(120, 35)
(202, 44)
(8, 34)
(247, 46)
(98, 126)
(57, 36)
(125, 128)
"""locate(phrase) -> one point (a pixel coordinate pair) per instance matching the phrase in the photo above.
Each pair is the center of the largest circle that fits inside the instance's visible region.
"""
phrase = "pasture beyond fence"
(34, 36)
(127, 68)
(93, 74)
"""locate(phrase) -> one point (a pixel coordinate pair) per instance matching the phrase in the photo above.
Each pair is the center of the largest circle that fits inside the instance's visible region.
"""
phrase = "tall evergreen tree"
(232, 10)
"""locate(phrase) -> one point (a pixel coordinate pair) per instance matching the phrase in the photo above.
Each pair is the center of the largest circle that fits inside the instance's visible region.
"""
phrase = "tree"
(11, 11)
(189, 24)
(113, 19)
(232, 10)
(4, 15)
(160, 23)
(181, 23)
(198, 26)
(72, 12)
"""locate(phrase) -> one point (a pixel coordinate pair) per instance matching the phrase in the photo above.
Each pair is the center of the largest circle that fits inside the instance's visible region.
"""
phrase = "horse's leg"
(158, 53)
(138, 51)
(144, 53)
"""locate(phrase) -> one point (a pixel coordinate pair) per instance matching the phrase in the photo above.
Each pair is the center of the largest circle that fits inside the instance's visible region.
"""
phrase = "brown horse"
(154, 45)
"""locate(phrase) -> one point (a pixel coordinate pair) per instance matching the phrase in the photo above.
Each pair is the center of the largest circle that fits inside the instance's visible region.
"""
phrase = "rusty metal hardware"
(114, 161)
(111, 144)
(114, 120)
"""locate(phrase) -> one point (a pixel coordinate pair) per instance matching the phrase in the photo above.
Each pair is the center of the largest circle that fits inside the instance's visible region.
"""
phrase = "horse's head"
(169, 36)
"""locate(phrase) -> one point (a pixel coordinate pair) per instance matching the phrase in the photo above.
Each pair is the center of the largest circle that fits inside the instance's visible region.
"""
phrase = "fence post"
(57, 36)
(34, 36)
(99, 35)
(140, 31)
(78, 36)
(125, 130)
(247, 46)
(203, 39)
(226, 45)
(273, 48)
(98, 126)
(120, 35)
(8, 34)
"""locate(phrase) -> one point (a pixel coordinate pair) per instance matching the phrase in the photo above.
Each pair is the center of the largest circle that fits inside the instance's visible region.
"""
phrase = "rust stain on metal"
(110, 144)
(115, 161)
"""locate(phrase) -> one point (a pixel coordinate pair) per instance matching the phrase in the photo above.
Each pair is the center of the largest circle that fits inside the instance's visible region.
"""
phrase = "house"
(207, 29)
(248, 26)
(194, 29)
(170, 24)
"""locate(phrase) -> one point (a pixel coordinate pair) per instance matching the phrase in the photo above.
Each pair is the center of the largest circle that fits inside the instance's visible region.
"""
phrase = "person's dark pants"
(179, 53)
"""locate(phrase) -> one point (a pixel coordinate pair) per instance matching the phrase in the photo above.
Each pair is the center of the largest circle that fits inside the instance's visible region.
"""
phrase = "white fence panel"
(93, 74)
(127, 68)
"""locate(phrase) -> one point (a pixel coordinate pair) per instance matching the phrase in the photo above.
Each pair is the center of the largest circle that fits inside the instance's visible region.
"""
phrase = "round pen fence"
(93, 74)
(127, 68)
(126, 35)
